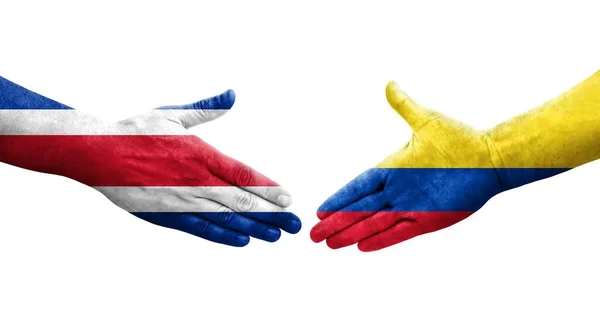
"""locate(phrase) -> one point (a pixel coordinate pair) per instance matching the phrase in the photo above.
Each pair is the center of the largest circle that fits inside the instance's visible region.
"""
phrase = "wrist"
(515, 165)
(561, 134)
(51, 141)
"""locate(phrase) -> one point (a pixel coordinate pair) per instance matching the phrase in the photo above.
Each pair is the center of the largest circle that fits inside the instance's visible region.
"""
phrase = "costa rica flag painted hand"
(149, 165)
(448, 170)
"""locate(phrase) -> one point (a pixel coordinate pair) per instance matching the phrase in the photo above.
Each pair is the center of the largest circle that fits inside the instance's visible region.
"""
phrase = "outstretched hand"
(441, 176)
(194, 187)
(150, 165)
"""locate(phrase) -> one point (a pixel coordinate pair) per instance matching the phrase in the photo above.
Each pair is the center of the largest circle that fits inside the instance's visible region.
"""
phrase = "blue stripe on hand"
(15, 97)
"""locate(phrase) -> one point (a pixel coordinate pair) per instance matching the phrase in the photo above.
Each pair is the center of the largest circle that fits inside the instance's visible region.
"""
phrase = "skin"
(448, 170)
(394, 200)
(228, 217)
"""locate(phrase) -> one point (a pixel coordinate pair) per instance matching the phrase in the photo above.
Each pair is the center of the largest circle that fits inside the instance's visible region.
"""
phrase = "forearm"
(30, 125)
(24, 112)
(50, 122)
(563, 133)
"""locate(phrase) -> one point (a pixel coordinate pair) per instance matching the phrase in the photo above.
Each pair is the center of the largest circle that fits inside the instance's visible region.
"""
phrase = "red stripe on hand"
(129, 160)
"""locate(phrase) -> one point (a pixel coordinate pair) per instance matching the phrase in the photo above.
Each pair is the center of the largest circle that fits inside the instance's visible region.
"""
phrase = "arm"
(560, 134)
(448, 170)
(149, 165)
(19, 105)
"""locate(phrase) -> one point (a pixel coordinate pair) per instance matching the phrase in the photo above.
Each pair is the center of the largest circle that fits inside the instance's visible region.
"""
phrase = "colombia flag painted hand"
(448, 170)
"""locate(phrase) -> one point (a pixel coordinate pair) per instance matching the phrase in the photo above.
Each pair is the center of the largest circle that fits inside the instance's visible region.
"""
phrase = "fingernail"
(284, 200)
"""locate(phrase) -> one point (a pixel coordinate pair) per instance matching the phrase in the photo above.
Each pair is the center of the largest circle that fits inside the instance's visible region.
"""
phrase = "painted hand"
(149, 165)
(440, 177)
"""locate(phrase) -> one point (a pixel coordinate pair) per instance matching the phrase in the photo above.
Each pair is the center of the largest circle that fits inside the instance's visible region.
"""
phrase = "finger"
(352, 214)
(276, 195)
(365, 184)
(401, 231)
(243, 176)
(372, 225)
(238, 222)
(190, 115)
(238, 199)
(277, 218)
(411, 112)
(286, 221)
(195, 225)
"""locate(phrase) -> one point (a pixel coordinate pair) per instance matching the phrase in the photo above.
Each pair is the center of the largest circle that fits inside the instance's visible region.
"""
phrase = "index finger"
(367, 183)
(240, 175)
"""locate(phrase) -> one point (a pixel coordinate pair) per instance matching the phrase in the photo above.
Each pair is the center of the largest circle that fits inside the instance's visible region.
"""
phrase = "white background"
(311, 114)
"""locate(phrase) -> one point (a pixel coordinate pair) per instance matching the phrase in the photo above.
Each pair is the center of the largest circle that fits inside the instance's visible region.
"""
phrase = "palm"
(427, 185)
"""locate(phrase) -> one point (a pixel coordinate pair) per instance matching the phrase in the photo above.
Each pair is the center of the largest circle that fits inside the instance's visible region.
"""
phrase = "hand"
(150, 166)
(441, 176)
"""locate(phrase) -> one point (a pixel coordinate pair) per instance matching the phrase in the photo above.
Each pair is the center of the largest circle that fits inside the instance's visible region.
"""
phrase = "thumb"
(409, 110)
(206, 110)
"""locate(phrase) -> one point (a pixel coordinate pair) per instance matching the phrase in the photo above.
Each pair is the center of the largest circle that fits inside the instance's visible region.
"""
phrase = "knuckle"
(201, 227)
(200, 105)
(244, 176)
(225, 216)
(134, 124)
(243, 202)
